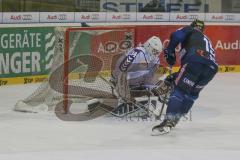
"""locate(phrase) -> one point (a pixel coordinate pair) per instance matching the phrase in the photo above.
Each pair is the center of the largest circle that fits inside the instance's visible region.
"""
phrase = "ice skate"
(164, 127)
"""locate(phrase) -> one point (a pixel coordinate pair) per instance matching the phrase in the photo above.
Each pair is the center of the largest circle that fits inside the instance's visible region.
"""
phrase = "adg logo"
(49, 49)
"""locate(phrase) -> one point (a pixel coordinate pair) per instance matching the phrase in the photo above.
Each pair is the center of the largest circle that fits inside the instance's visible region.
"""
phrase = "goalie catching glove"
(164, 86)
(160, 89)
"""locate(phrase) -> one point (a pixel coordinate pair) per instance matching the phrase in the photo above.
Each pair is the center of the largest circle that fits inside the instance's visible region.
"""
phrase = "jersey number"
(209, 48)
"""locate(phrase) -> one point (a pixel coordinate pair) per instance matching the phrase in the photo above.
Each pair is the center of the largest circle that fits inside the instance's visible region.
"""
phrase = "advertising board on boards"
(90, 16)
(121, 17)
(56, 17)
(152, 16)
(20, 17)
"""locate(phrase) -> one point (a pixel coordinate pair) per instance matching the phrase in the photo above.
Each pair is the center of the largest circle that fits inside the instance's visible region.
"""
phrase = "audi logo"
(27, 17)
(193, 17)
(95, 16)
(62, 17)
(125, 16)
(229, 17)
(159, 16)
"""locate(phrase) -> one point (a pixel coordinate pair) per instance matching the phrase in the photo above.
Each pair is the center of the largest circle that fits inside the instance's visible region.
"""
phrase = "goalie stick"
(124, 99)
(138, 105)
(165, 96)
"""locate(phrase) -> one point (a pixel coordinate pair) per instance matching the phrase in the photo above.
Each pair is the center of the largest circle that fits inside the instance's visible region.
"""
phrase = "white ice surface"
(213, 134)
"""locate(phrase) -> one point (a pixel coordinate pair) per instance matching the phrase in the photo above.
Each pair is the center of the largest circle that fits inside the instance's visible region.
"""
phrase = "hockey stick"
(165, 96)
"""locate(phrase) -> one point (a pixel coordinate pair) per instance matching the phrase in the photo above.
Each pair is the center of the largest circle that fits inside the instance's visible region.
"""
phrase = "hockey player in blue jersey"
(138, 67)
(198, 67)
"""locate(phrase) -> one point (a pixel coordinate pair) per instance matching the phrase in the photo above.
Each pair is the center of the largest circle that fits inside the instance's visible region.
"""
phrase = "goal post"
(79, 54)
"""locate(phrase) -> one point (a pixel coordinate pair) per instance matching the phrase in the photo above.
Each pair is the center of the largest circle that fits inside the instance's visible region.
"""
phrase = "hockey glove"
(169, 80)
(170, 57)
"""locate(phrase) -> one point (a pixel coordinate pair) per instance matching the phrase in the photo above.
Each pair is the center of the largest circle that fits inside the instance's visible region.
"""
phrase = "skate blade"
(157, 132)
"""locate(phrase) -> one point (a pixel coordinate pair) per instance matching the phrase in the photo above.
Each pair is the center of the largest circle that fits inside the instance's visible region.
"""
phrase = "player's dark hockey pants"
(191, 79)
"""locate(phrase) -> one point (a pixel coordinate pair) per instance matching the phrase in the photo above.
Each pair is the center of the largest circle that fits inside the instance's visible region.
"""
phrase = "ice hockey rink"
(213, 133)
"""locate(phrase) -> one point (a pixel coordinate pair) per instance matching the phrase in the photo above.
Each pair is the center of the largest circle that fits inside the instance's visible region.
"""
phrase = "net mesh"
(80, 56)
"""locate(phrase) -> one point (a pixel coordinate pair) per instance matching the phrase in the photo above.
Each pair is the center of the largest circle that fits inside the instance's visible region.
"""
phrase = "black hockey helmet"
(198, 23)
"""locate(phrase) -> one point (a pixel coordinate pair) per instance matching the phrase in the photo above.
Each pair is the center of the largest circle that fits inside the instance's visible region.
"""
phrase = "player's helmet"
(153, 46)
(199, 24)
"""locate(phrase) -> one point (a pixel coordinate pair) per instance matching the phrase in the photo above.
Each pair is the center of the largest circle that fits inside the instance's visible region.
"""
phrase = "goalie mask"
(153, 46)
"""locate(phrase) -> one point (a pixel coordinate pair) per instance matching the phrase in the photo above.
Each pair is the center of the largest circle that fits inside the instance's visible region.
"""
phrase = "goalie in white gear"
(138, 68)
(139, 64)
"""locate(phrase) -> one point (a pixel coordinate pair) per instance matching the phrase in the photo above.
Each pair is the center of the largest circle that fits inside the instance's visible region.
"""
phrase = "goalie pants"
(192, 78)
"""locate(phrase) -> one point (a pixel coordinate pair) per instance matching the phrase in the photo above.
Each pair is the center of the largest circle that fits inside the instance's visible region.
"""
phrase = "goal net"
(80, 56)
